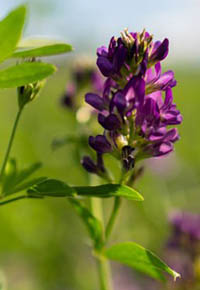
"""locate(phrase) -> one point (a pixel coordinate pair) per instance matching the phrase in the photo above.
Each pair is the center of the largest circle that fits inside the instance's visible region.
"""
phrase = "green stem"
(10, 143)
(113, 216)
(13, 199)
(117, 203)
(102, 263)
(104, 273)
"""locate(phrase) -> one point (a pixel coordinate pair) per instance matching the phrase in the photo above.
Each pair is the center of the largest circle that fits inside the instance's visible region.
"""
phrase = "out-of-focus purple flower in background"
(83, 76)
(183, 248)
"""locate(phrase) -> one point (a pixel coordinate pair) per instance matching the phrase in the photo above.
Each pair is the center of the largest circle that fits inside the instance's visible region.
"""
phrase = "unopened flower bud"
(127, 38)
(28, 92)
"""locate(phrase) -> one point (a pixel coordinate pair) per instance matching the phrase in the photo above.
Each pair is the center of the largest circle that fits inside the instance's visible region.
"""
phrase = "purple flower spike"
(136, 107)
(95, 101)
(100, 144)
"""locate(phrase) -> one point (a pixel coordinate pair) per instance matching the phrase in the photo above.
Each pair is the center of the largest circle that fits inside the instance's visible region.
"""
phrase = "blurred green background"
(43, 244)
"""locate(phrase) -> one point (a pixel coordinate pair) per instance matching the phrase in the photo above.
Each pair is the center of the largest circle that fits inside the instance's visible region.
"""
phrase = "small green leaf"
(141, 259)
(25, 73)
(13, 177)
(59, 188)
(93, 225)
(27, 172)
(10, 31)
(25, 185)
(52, 187)
(46, 50)
(109, 190)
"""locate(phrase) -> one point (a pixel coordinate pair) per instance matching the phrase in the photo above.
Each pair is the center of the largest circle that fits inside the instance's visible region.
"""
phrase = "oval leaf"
(103, 191)
(47, 50)
(10, 31)
(51, 187)
(109, 190)
(25, 73)
(141, 259)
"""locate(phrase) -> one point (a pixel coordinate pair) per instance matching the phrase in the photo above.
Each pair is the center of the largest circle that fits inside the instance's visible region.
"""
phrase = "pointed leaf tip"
(141, 259)
(109, 190)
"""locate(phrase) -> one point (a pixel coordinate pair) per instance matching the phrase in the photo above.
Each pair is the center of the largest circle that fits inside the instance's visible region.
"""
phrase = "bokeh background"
(43, 244)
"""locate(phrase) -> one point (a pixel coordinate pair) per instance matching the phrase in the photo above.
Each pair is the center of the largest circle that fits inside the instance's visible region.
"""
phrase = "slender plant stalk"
(116, 207)
(113, 216)
(102, 263)
(104, 273)
(12, 136)
(13, 199)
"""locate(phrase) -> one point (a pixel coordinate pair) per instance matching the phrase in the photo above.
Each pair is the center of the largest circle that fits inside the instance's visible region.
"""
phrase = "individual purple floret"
(136, 105)
(100, 144)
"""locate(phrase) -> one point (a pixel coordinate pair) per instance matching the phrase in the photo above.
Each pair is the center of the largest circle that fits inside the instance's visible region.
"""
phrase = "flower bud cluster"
(28, 93)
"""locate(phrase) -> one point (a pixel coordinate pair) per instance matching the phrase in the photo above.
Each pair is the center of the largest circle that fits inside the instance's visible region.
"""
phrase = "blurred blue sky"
(89, 23)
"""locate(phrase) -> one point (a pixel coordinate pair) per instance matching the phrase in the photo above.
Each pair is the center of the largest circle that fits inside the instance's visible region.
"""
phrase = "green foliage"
(141, 259)
(10, 31)
(13, 180)
(109, 190)
(53, 49)
(25, 73)
(53, 187)
(93, 225)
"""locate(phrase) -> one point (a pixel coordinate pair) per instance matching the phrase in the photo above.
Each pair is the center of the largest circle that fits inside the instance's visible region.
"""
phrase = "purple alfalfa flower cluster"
(136, 106)
(183, 247)
(83, 76)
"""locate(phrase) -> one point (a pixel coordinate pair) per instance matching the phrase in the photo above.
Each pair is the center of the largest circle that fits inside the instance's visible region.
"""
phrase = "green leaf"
(10, 31)
(109, 190)
(25, 185)
(27, 172)
(46, 50)
(13, 177)
(25, 73)
(52, 187)
(93, 225)
(141, 259)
